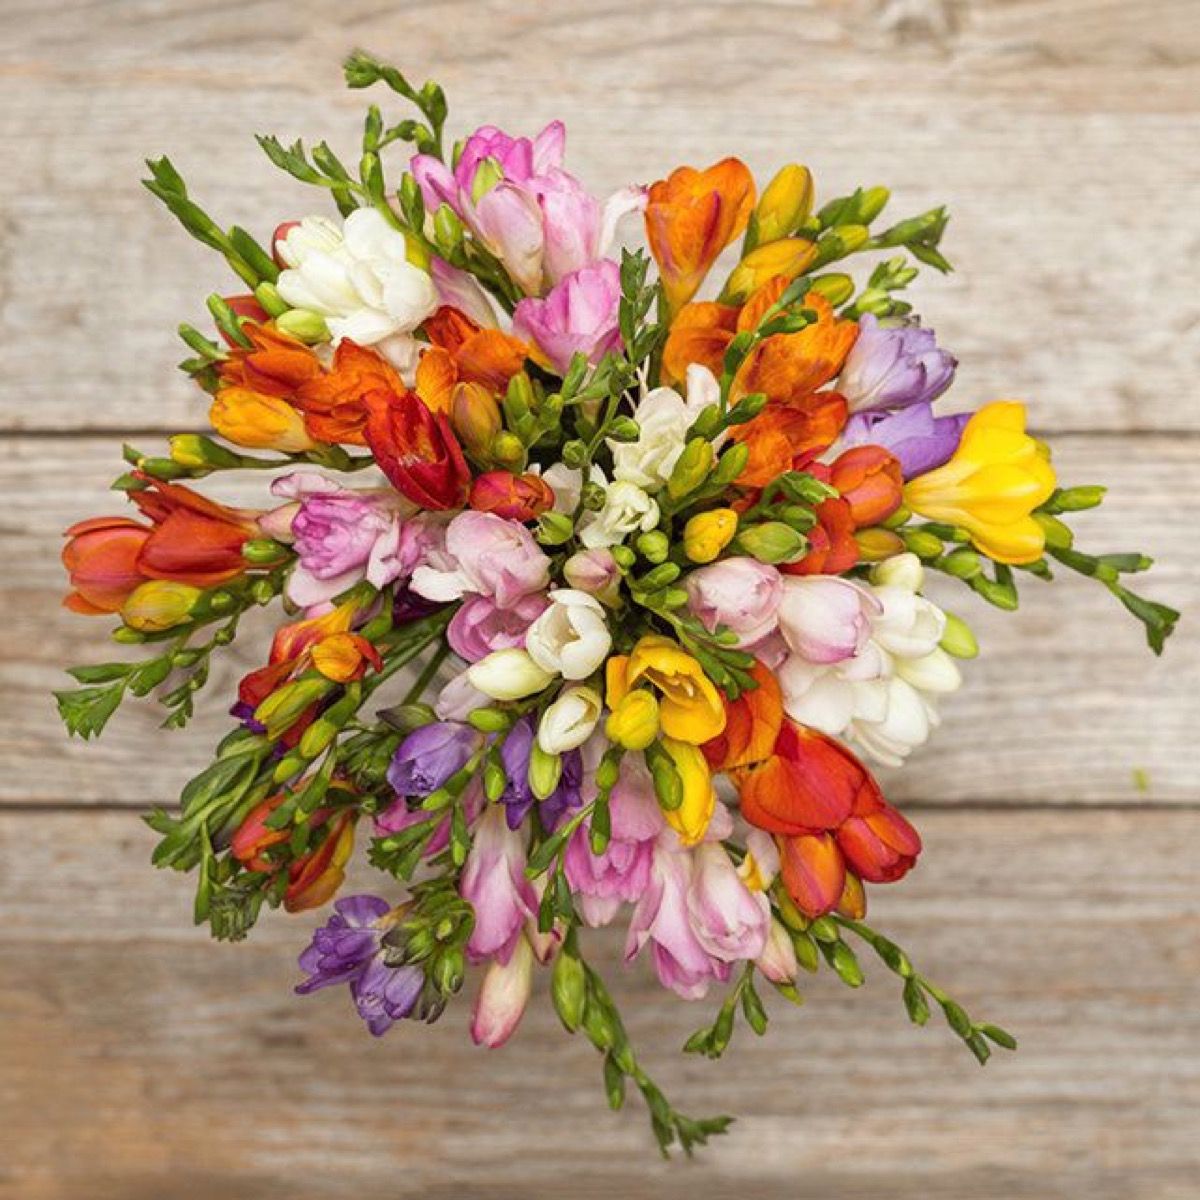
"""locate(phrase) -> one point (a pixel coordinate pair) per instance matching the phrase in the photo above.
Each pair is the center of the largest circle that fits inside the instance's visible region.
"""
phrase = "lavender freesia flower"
(429, 756)
(918, 439)
(518, 797)
(892, 366)
(348, 949)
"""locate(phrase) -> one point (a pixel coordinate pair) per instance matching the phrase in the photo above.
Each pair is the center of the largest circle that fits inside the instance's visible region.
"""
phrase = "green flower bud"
(508, 450)
(1076, 499)
(574, 454)
(962, 563)
(623, 556)
(568, 987)
(268, 296)
(958, 639)
(1058, 535)
(922, 543)
(624, 429)
(593, 496)
(263, 551)
(305, 326)
(836, 288)
(730, 465)
(654, 546)
(489, 720)
(196, 452)
(545, 770)
(554, 529)
(691, 469)
(772, 542)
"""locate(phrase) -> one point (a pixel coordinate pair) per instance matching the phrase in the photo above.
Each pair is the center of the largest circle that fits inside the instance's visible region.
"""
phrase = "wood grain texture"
(138, 1053)
(1063, 706)
(1057, 895)
(1061, 134)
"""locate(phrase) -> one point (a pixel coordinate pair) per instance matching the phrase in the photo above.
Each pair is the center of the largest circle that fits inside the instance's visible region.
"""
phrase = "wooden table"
(1058, 892)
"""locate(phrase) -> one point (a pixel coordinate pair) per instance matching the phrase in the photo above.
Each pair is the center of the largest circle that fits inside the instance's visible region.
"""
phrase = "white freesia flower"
(880, 697)
(627, 509)
(664, 417)
(569, 721)
(571, 637)
(508, 675)
(358, 277)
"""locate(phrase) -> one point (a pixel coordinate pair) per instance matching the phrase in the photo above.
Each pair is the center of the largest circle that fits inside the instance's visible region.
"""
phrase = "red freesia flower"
(101, 559)
(870, 481)
(416, 449)
(516, 497)
(831, 545)
(813, 871)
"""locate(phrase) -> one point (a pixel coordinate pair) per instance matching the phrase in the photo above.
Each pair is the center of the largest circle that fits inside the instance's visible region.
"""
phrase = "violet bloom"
(518, 797)
(603, 882)
(348, 949)
(429, 756)
(481, 626)
(918, 440)
(578, 316)
(515, 197)
(892, 366)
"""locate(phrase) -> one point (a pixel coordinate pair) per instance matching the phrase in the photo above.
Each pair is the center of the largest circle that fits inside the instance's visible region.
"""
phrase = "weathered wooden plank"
(141, 1060)
(1032, 120)
(1064, 704)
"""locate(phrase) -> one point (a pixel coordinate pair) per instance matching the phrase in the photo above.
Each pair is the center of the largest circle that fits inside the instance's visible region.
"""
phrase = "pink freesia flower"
(481, 625)
(602, 882)
(502, 998)
(341, 536)
(578, 316)
(730, 921)
(458, 289)
(485, 555)
(494, 883)
(513, 194)
(661, 919)
(824, 618)
(740, 593)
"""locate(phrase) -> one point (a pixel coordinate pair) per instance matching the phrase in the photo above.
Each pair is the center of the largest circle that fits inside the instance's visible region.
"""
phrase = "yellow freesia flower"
(259, 421)
(160, 604)
(708, 533)
(691, 709)
(633, 724)
(691, 819)
(996, 478)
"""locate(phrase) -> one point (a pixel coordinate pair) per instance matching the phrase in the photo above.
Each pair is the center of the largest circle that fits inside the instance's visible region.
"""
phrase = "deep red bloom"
(416, 449)
(881, 845)
(517, 497)
(831, 545)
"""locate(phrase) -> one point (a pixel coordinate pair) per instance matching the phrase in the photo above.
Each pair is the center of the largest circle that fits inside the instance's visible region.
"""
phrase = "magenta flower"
(892, 366)
(341, 536)
(481, 625)
(740, 593)
(603, 882)
(578, 316)
(919, 440)
(484, 555)
(730, 921)
(514, 196)
(661, 919)
(494, 884)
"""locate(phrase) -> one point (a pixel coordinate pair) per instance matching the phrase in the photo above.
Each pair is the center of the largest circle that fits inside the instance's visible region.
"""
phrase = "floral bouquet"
(673, 552)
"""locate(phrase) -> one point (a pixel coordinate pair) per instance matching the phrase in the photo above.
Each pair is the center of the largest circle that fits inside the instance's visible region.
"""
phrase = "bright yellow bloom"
(785, 202)
(691, 819)
(786, 257)
(997, 477)
(159, 604)
(691, 709)
(259, 421)
(708, 533)
(633, 723)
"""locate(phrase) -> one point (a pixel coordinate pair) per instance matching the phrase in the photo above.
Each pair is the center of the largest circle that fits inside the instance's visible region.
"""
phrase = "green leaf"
(87, 710)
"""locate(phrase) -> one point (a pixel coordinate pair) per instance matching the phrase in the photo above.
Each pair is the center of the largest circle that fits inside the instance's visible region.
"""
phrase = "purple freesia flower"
(892, 366)
(577, 316)
(518, 797)
(429, 756)
(918, 439)
(348, 948)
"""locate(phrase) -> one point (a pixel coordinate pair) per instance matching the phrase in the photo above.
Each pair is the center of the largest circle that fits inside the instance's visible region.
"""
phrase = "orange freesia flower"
(868, 479)
(789, 366)
(691, 216)
(464, 352)
(101, 559)
(752, 725)
(813, 871)
(334, 402)
(785, 436)
(701, 333)
(515, 497)
(316, 876)
(276, 365)
(832, 549)
(345, 656)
